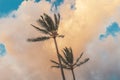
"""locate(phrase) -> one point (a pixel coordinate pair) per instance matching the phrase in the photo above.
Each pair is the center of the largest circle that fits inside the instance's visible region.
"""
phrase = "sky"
(89, 26)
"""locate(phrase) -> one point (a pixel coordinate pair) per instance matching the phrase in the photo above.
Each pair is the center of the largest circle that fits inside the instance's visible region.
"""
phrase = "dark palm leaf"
(63, 60)
(71, 55)
(44, 24)
(39, 39)
(68, 55)
(64, 66)
(55, 66)
(86, 60)
(58, 20)
(67, 68)
(62, 36)
(42, 30)
(64, 54)
(54, 62)
(78, 58)
(49, 21)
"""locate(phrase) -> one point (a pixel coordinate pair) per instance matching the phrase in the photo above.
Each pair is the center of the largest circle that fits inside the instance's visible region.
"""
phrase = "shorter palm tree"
(68, 61)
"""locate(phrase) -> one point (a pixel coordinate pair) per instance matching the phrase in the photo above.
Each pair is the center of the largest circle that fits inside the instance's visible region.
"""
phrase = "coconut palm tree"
(49, 27)
(68, 61)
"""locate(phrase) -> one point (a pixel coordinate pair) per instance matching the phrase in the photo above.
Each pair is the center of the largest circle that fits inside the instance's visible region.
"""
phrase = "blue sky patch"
(55, 4)
(111, 30)
(2, 50)
(6, 6)
(37, 0)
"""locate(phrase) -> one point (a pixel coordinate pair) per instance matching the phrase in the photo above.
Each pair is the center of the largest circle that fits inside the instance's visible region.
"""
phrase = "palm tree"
(68, 61)
(50, 29)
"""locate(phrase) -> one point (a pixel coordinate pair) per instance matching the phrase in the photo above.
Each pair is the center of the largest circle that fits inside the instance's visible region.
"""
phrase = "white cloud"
(104, 59)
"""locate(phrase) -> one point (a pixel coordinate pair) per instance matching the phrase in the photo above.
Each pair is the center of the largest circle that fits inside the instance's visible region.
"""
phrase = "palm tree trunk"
(73, 74)
(62, 72)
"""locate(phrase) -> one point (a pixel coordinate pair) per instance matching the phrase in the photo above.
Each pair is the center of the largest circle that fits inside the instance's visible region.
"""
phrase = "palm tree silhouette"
(50, 29)
(68, 61)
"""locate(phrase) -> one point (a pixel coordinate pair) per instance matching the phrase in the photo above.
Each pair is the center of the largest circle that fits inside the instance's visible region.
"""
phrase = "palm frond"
(54, 62)
(68, 54)
(44, 24)
(78, 59)
(49, 21)
(63, 66)
(58, 20)
(63, 60)
(66, 67)
(65, 55)
(71, 55)
(86, 60)
(62, 36)
(42, 30)
(38, 39)
(55, 66)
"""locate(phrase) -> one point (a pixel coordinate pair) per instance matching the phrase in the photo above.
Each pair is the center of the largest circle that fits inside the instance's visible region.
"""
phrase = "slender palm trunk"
(62, 72)
(73, 74)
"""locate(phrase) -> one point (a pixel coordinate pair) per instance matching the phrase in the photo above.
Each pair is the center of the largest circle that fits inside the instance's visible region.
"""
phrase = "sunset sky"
(89, 26)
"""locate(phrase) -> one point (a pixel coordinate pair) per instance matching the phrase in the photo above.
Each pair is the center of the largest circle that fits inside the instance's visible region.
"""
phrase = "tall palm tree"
(49, 27)
(68, 61)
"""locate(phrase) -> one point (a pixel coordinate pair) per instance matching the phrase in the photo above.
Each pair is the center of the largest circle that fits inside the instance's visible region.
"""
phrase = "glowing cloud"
(81, 27)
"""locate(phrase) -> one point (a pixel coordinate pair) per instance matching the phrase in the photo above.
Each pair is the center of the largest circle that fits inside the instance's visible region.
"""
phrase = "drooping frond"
(55, 66)
(62, 36)
(38, 39)
(63, 66)
(54, 62)
(82, 62)
(41, 30)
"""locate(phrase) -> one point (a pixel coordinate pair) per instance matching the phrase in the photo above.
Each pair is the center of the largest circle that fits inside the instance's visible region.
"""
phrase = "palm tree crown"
(68, 60)
(49, 27)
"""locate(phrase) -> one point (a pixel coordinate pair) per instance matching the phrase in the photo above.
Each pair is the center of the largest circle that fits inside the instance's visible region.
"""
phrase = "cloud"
(112, 30)
(105, 55)
(30, 61)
